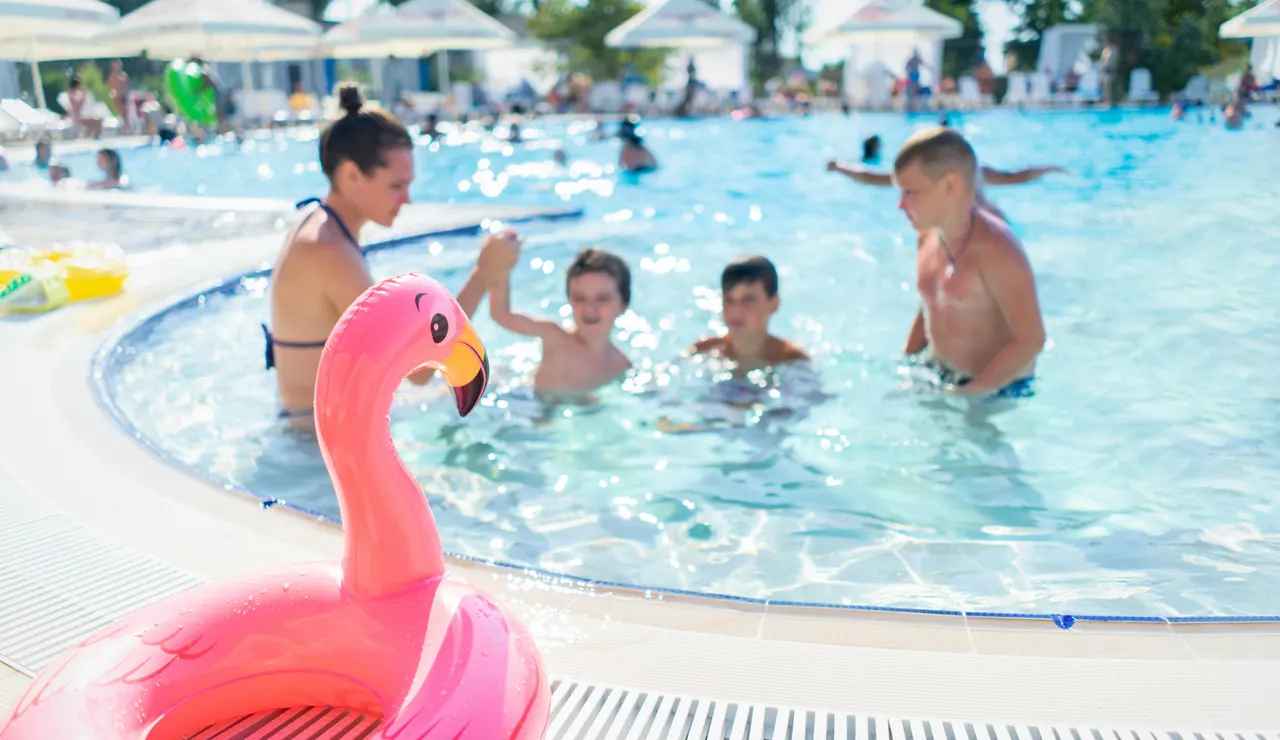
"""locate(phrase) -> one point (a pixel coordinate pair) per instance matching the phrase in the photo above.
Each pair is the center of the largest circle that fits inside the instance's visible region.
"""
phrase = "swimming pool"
(1139, 480)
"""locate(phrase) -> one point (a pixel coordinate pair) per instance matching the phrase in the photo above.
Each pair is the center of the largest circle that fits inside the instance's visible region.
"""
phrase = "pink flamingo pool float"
(384, 632)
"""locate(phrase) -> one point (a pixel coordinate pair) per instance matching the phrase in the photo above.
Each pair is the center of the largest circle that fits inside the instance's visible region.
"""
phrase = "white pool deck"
(59, 450)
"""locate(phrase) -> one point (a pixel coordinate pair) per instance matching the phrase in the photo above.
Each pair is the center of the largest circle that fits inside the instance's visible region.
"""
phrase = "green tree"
(577, 29)
(1172, 38)
(773, 20)
(1035, 16)
(961, 54)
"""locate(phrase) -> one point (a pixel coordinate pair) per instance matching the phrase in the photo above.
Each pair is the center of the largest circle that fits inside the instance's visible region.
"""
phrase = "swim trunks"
(1020, 388)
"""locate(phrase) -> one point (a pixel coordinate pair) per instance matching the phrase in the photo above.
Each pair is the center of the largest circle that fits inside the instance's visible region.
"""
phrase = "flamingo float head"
(395, 328)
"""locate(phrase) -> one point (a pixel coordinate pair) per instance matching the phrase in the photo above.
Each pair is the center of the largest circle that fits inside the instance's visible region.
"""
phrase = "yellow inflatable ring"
(88, 273)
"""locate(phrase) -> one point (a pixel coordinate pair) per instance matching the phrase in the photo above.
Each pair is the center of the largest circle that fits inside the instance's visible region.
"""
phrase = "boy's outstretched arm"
(992, 176)
(507, 252)
(861, 174)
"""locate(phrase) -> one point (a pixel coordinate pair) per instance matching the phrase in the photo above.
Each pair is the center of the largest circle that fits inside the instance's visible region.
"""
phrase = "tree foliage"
(961, 54)
(772, 20)
(1172, 38)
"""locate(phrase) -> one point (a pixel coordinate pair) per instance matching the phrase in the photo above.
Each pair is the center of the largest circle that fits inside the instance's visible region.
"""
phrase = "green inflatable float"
(193, 99)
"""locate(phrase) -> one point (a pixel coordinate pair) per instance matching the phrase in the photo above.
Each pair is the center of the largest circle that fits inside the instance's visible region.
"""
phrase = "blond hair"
(939, 151)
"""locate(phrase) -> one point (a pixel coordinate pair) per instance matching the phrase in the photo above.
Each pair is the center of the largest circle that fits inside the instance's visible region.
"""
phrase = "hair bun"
(350, 99)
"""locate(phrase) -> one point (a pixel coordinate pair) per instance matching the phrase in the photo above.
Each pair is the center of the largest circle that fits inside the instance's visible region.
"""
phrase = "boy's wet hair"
(939, 151)
(361, 136)
(750, 269)
(592, 259)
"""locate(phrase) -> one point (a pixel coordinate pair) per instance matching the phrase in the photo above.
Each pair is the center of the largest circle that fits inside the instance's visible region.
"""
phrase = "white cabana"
(1261, 21)
(882, 35)
(417, 28)
(1067, 46)
(1265, 58)
(1262, 24)
(214, 30)
(718, 44)
(24, 23)
(680, 24)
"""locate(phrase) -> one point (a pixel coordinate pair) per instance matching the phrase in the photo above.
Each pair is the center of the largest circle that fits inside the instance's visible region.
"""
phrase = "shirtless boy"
(580, 358)
(749, 295)
(979, 316)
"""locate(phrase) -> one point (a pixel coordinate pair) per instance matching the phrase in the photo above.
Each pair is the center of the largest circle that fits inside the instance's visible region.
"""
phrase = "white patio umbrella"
(214, 30)
(680, 24)
(888, 22)
(417, 28)
(1259, 21)
(24, 22)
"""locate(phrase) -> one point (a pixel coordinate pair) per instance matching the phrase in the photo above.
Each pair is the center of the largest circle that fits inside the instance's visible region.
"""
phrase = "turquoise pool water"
(1141, 480)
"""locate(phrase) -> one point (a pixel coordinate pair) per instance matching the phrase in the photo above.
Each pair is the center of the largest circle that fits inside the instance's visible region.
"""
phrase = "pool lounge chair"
(1018, 90)
(1089, 90)
(1140, 87)
(1041, 93)
(35, 121)
(970, 93)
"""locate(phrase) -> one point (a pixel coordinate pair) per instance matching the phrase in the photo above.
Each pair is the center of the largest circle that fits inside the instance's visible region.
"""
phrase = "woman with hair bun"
(367, 156)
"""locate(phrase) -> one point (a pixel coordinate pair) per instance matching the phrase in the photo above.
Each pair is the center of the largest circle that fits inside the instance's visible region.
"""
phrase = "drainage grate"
(59, 581)
(582, 711)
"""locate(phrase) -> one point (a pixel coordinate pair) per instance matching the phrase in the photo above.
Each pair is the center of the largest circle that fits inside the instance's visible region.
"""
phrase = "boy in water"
(582, 358)
(749, 287)
(979, 315)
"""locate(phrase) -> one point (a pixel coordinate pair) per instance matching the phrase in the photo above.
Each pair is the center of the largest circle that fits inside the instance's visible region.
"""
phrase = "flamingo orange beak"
(467, 370)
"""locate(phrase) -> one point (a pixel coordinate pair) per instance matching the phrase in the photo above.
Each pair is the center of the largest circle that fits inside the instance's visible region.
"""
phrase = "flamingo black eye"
(439, 328)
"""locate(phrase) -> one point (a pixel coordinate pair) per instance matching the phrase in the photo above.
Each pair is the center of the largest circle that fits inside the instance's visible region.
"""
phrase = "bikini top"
(271, 341)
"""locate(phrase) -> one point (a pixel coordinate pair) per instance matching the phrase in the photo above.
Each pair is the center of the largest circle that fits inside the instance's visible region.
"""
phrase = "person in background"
(44, 152)
(1248, 83)
(749, 298)
(118, 84)
(300, 100)
(109, 163)
(432, 127)
(635, 156)
(223, 104)
(601, 131)
(4, 163)
(58, 172)
(78, 100)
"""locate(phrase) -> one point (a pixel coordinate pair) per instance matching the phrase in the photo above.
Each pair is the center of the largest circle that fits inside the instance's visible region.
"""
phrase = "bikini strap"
(333, 215)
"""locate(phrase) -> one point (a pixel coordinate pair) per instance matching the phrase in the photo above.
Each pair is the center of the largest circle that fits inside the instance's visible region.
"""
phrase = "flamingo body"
(385, 631)
(293, 637)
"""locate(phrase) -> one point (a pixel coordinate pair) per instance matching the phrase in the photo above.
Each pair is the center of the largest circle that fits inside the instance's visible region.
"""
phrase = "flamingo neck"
(390, 537)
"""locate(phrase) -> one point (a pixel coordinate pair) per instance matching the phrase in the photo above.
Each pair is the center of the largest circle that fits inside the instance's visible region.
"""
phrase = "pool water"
(1140, 480)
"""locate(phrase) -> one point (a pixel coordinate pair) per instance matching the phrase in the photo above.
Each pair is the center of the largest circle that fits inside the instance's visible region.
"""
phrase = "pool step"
(581, 711)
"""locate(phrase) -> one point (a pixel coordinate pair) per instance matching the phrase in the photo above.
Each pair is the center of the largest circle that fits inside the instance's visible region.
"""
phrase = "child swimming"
(580, 358)
(749, 287)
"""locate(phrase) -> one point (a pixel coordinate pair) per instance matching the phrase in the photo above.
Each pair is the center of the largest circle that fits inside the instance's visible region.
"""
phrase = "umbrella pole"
(38, 85)
(445, 88)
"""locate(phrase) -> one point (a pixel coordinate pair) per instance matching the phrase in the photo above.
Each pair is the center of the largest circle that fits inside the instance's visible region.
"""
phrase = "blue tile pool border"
(103, 365)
